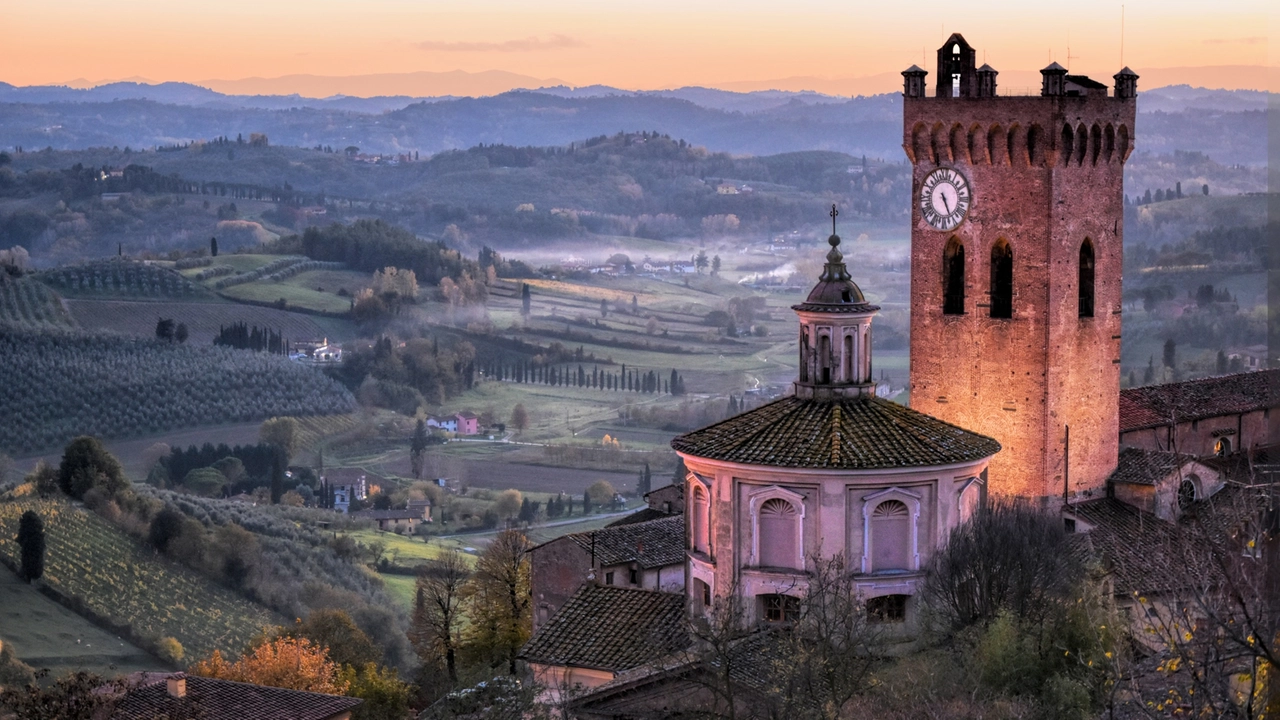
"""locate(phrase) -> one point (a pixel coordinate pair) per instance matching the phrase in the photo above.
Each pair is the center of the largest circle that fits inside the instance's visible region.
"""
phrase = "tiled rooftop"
(611, 628)
(1148, 555)
(653, 543)
(863, 433)
(1145, 467)
(226, 699)
(1158, 405)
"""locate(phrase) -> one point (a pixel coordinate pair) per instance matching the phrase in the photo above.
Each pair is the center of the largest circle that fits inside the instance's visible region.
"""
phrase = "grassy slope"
(116, 578)
(44, 634)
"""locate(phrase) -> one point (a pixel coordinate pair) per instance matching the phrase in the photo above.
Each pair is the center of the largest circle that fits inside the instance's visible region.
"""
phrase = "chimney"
(177, 685)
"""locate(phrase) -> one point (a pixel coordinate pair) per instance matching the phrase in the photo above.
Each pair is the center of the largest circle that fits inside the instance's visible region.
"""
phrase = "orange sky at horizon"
(652, 45)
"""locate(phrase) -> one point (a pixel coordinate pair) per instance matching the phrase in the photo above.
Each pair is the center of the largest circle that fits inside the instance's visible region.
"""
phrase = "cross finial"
(834, 212)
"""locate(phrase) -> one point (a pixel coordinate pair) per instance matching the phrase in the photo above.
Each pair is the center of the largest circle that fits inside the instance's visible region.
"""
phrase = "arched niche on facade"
(891, 517)
(777, 528)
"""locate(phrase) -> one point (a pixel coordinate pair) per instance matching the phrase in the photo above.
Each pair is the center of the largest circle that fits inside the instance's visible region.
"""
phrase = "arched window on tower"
(955, 70)
(953, 278)
(890, 537)
(701, 521)
(1086, 278)
(824, 358)
(804, 353)
(1001, 279)
(848, 360)
(779, 528)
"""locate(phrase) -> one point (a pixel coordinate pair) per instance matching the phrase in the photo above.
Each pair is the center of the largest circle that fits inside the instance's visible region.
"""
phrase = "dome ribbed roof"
(865, 433)
(836, 291)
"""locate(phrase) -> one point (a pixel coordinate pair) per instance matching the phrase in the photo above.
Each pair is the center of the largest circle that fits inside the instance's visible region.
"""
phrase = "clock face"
(944, 198)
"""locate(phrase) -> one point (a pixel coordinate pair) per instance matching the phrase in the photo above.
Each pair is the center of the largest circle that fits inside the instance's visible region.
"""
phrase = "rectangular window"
(706, 594)
(635, 576)
(887, 608)
(780, 608)
(608, 578)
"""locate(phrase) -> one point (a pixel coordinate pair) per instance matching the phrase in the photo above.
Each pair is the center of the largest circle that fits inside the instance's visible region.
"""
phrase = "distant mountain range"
(1222, 123)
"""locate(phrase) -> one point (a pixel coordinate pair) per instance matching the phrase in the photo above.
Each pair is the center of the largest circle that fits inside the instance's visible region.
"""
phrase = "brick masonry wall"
(1244, 431)
(1023, 380)
(557, 570)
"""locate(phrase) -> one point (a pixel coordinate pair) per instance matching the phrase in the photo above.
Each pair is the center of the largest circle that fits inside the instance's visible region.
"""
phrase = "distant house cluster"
(348, 484)
(463, 423)
(408, 519)
(317, 352)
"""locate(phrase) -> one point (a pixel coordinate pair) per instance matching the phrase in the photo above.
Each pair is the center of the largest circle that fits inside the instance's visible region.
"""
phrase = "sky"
(634, 45)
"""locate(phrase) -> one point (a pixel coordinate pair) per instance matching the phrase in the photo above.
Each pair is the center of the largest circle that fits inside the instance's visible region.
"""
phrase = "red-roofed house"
(468, 423)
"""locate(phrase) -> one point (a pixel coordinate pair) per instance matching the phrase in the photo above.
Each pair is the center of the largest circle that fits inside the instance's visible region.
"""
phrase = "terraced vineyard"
(65, 384)
(121, 276)
(122, 582)
(27, 303)
(316, 428)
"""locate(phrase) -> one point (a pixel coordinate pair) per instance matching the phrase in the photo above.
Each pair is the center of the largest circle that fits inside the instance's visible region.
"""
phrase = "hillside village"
(628, 429)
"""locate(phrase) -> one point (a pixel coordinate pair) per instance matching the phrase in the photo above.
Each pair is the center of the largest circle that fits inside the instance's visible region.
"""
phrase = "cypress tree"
(31, 543)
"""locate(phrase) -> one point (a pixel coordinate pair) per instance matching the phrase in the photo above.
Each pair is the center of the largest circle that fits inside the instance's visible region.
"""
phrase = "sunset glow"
(631, 45)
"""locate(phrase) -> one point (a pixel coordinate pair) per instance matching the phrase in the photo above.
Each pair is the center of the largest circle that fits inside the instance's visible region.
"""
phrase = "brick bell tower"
(1016, 229)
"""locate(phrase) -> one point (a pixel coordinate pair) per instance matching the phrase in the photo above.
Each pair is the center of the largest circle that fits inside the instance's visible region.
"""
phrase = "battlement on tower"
(1074, 122)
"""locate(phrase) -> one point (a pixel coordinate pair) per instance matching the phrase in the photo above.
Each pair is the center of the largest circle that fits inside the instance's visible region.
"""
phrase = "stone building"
(1016, 231)
(831, 469)
(1209, 416)
(646, 555)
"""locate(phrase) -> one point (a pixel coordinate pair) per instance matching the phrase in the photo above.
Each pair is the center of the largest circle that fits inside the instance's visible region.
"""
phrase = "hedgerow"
(277, 270)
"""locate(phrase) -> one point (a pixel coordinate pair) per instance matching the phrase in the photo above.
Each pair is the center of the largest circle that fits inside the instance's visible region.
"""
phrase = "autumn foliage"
(293, 663)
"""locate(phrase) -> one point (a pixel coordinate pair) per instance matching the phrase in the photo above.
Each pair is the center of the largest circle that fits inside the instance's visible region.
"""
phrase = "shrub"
(166, 526)
(170, 650)
(206, 482)
(1011, 557)
(86, 464)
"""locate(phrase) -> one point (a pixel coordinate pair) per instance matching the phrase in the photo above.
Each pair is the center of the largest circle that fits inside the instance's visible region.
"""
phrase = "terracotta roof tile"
(852, 434)
(226, 699)
(1147, 554)
(639, 516)
(611, 628)
(651, 544)
(1145, 467)
(1158, 405)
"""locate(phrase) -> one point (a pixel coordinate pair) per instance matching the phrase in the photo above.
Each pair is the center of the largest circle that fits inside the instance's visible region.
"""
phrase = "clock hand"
(945, 204)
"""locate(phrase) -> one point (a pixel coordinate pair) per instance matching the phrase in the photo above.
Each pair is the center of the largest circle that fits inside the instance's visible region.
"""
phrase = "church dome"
(836, 291)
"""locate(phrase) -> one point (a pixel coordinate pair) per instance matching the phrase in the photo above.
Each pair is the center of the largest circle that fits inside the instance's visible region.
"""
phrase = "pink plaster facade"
(835, 512)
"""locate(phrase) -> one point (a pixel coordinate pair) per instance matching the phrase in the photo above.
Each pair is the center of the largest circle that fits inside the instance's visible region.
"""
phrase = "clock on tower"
(1016, 234)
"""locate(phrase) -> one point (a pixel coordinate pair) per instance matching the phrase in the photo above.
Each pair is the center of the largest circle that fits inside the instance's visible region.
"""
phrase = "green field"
(315, 290)
(401, 587)
(120, 580)
(46, 635)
